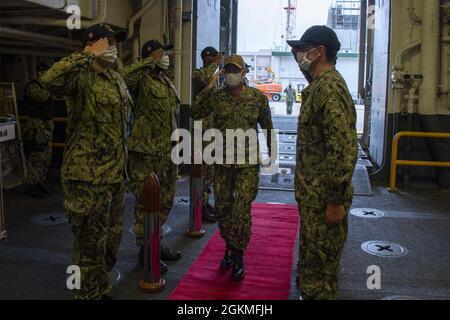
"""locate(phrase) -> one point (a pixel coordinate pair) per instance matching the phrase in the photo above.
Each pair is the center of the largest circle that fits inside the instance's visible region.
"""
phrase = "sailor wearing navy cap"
(327, 150)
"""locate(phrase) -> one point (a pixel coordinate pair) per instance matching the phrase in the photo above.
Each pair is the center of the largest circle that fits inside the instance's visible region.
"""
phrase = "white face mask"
(110, 55)
(165, 62)
(234, 79)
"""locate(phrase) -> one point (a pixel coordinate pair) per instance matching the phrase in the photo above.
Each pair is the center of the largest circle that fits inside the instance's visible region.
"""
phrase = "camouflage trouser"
(289, 107)
(96, 215)
(140, 167)
(235, 189)
(38, 164)
(207, 181)
(37, 136)
(321, 248)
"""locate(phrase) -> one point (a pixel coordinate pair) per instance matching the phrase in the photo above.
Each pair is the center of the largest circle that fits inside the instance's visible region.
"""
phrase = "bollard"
(195, 229)
(152, 281)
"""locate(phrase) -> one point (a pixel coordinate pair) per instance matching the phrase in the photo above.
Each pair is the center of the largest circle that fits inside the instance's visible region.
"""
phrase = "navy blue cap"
(153, 45)
(103, 30)
(209, 52)
(42, 66)
(316, 36)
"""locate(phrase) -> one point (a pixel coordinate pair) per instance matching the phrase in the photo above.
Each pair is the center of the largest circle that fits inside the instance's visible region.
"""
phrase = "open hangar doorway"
(263, 29)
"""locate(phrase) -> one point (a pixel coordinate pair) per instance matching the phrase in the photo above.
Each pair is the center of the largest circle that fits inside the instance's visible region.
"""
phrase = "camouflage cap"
(238, 61)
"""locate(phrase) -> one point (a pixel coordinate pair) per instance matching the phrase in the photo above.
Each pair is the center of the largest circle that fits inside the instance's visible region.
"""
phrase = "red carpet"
(268, 261)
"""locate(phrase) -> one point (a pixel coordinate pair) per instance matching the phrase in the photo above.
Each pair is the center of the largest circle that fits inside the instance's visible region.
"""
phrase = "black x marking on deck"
(384, 248)
(52, 219)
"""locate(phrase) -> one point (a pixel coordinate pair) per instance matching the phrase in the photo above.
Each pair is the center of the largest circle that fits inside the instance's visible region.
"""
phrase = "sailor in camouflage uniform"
(291, 96)
(327, 150)
(38, 133)
(200, 79)
(94, 165)
(150, 144)
(235, 184)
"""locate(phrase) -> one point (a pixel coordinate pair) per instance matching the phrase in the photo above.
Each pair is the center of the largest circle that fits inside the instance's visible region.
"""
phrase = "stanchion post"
(152, 281)
(195, 229)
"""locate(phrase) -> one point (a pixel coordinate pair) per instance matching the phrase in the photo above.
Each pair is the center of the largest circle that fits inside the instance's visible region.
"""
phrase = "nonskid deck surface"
(34, 258)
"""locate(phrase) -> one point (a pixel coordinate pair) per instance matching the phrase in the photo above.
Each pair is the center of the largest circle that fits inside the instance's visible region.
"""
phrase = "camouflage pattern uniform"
(150, 144)
(235, 185)
(200, 78)
(327, 151)
(290, 99)
(38, 131)
(94, 166)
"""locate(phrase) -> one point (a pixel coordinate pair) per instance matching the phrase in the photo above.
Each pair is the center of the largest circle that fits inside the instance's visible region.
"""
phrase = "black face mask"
(307, 77)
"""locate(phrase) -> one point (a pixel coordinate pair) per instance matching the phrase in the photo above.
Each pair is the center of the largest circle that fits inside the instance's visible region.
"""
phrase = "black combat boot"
(238, 272)
(163, 267)
(43, 188)
(210, 208)
(227, 262)
(208, 214)
(35, 192)
(168, 254)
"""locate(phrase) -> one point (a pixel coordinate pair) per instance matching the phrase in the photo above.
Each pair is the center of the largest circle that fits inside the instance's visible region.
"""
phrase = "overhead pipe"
(187, 66)
(52, 41)
(33, 66)
(136, 49)
(100, 18)
(402, 52)
(428, 113)
(17, 43)
(411, 98)
(234, 26)
(178, 43)
(367, 86)
(137, 16)
(415, 19)
(430, 56)
(30, 52)
(165, 22)
(445, 55)
(362, 50)
(195, 228)
(26, 70)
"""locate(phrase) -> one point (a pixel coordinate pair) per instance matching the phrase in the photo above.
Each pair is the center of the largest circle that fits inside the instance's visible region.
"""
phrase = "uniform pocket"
(78, 198)
(251, 117)
(158, 90)
(104, 110)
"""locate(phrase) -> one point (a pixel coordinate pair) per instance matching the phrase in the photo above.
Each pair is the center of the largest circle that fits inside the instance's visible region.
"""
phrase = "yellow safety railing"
(395, 162)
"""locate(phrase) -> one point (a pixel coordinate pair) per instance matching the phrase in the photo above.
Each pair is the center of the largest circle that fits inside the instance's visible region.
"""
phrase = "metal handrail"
(395, 162)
